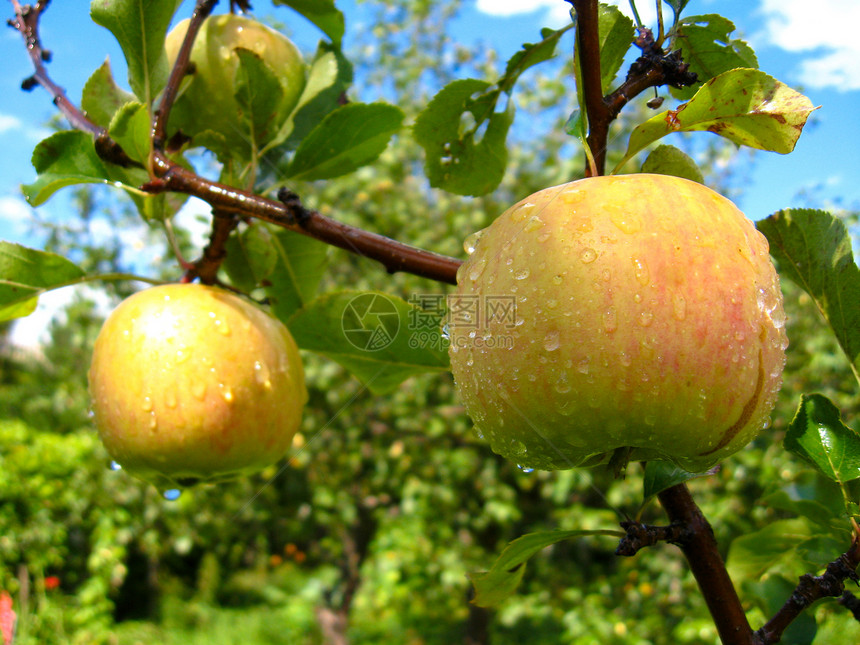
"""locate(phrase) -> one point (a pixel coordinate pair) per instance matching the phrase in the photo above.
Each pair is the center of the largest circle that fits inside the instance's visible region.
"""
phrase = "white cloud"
(14, 213)
(827, 30)
(557, 13)
(9, 122)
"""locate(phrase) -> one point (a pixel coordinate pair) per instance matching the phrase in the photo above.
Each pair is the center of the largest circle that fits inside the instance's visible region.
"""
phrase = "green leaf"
(258, 94)
(706, 45)
(251, 257)
(494, 586)
(773, 547)
(328, 79)
(140, 26)
(660, 475)
(372, 335)
(820, 512)
(26, 273)
(64, 159)
(616, 37)
(298, 267)
(813, 250)
(458, 159)
(744, 105)
(102, 97)
(322, 13)
(669, 160)
(131, 129)
(529, 55)
(818, 435)
(352, 136)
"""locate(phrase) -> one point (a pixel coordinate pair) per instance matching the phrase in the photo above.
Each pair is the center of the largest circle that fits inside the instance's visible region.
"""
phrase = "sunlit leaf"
(745, 106)
(494, 586)
(813, 250)
(818, 435)
(102, 97)
(140, 26)
(706, 45)
(373, 335)
(669, 160)
(352, 136)
(465, 153)
(26, 273)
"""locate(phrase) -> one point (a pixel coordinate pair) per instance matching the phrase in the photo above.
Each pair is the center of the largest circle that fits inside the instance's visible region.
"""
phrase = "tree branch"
(699, 546)
(812, 588)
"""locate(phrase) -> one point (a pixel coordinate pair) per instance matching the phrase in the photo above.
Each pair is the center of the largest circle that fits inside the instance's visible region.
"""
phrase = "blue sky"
(811, 46)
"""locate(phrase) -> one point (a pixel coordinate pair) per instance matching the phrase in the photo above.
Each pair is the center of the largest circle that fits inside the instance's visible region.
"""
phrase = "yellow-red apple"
(636, 313)
(192, 383)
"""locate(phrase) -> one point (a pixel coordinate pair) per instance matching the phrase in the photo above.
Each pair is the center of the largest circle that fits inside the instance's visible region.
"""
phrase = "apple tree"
(626, 320)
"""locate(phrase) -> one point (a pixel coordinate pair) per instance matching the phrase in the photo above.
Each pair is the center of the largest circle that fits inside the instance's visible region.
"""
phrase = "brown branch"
(206, 268)
(812, 588)
(641, 535)
(652, 69)
(699, 546)
(588, 57)
(159, 122)
(394, 256)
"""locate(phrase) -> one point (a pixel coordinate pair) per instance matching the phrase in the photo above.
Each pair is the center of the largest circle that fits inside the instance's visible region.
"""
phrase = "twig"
(641, 535)
(699, 546)
(812, 588)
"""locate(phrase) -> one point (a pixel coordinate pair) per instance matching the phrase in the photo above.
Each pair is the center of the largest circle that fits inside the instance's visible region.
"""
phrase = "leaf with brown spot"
(743, 105)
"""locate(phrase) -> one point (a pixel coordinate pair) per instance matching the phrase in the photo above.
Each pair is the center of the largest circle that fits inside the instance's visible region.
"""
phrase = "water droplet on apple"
(262, 374)
(522, 274)
(582, 366)
(625, 221)
(153, 422)
(588, 256)
(222, 327)
(471, 242)
(146, 406)
(170, 399)
(534, 224)
(610, 320)
(520, 214)
(646, 318)
(640, 270)
(557, 280)
(551, 341)
(477, 269)
(226, 392)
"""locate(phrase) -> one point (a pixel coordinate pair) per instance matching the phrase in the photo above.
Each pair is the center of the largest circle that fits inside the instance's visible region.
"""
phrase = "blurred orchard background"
(366, 531)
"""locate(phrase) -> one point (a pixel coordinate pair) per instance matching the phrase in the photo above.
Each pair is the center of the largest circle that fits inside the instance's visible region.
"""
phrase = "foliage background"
(385, 503)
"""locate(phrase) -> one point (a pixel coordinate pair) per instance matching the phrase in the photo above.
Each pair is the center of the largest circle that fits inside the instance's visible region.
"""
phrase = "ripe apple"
(191, 383)
(208, 102)
(636, 315)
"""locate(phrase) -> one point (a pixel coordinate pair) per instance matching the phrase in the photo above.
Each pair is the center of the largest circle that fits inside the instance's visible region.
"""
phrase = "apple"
(191, 383)
(208, 101)
(635, 316)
